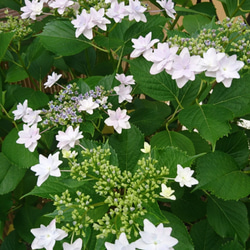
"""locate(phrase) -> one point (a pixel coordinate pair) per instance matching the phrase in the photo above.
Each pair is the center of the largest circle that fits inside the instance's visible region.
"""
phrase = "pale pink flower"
(77, 245)
(21, 110)
(83, 24)
(167, 192)
(46, 237)
(32, 9)
(117, 11)
(126, 80)
(46, 167)
(98, 18)
(168, 6)
(135, 11)
(29, 137)
(60, 5)
(124, 93)
(52, 79)
(142, 45)
(228, 70)
(118, 119)
(162, 58)
(184, 176)
(185, 67)
(88, 105)
(32, 117)
(211, 60)
(69, 138)
(120, 244)
(154, 238)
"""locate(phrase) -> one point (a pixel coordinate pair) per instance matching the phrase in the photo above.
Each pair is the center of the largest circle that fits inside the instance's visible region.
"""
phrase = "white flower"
(185, 67)
(147, 148)
(142, 45)
(88, 105)
(46, 237)
(52, 79)
(77, 245)
(184, 176)
(135, 11)
(21, 110)
(244, 123)
(168, 6)
(120, 244)
(46, 167)
(98, 18)
(211, 61)
(29, 137)
(167, 192)
(228, 70)
(32, 117)
(60, 5)
(126, 80)
(162, 58)
(118, 119)
(124, 93)
(117, 11)
(155, 238)
(83, 24)
(69, 138)
(32, 9)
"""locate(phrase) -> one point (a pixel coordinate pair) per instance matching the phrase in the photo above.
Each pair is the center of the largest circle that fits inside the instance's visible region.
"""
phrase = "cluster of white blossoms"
(183, 67)
(152, 238)
(87, 20)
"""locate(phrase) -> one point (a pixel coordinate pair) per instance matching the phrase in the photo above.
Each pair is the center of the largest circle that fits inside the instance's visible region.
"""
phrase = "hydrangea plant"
(133, 134)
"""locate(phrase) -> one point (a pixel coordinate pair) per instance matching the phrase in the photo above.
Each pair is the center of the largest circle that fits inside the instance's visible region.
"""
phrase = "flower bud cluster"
(74, 210)
(64, 110)
(15, 24)
(97, 4)
(220, 38)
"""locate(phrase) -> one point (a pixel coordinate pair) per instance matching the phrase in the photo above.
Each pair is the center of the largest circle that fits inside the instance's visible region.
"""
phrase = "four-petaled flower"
(52, 79)
(184, 176)
(69, 138)
(124, 93)
(32, 116)
(118, 119)
(77, 245)
(117, 11)
(126, 80)
(46, 167)
(60, 5)
(120, 244)
(167, 192)
(21, 110)
(32, 9)
(46, 237)
(154, 238)
(29, 136)
(135, 11)
(142, 45)
(88, 105)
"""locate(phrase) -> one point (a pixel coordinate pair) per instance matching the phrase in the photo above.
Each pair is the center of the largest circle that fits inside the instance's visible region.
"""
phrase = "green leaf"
(17, 154)
(10, 175)
(228, 218)
(205, 8)
(199, 143)
(210, 121)
(12, 242)
(204, 237)
(170, 157)
(160, 87)
(189, 11)
(189, 207)
(58, 36)
(235, 8)
(172, 138)
(179, 232)
(218, 173)
(127, 145)
(236, 145)
(149, 115)
(236, 98)
(232, 245)
(15, 73)
(193, 23)
(5, 39)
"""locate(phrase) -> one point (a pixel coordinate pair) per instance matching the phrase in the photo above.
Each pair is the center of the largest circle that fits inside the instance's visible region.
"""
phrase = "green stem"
(238, 7)
(97, 47)
(120, 60)
(8, 116)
